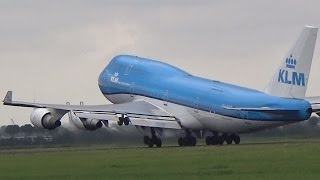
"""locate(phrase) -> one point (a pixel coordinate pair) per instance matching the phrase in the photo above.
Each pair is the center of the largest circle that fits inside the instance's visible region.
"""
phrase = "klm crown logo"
(291, 62)
(115, 77)
(291, 77)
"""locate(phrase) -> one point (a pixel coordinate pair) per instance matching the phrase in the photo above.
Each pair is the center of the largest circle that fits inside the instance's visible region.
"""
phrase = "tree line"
(15, 135)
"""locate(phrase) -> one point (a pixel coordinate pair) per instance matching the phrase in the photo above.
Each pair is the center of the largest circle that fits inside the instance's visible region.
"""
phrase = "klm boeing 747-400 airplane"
(153, 96)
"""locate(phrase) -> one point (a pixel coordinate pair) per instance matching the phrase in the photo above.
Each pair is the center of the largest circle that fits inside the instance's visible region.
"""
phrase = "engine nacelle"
(91, 124)
(84, 123)
(46, 118)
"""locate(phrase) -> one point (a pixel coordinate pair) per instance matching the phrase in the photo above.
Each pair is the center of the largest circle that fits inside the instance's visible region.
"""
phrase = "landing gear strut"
(219, 140)
(188, 140)
(154, 140)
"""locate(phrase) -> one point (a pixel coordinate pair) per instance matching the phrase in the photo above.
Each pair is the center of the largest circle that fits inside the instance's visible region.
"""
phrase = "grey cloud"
(56, 49)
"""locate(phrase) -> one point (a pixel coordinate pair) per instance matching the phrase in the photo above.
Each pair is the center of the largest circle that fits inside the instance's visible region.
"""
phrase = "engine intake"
(45, 118)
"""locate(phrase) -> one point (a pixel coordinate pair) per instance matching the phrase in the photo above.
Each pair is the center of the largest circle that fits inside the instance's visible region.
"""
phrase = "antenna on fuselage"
(12, 121)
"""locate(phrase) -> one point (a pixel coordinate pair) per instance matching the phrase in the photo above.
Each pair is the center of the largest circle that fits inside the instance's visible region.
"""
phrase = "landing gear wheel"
(215, 140)
(229, 140)
(158, 142)
(181, 141)
(126, 122)
(120, 123)
(193, 141)
(146, 140)
(150, 143)
(209, 140)
(221, 140)
(236, 139)
(187, 141)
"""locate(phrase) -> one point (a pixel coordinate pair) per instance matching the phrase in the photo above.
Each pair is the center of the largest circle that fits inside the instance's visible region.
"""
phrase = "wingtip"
(8, 97)
(311, 27)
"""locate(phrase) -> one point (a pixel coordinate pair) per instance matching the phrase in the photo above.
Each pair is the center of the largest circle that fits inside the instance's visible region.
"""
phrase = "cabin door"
(165, 98)
(132, 89)
(196, 105)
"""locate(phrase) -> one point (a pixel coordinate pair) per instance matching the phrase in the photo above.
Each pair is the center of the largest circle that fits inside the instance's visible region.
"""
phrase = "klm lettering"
(293, 78)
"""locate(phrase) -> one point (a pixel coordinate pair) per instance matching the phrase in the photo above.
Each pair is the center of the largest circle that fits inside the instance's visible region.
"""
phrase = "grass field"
(275, 160)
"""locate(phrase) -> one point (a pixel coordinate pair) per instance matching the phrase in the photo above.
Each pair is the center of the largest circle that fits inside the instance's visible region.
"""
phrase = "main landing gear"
(188, 140)
(153, 141)
(219, 140)
(123, 120)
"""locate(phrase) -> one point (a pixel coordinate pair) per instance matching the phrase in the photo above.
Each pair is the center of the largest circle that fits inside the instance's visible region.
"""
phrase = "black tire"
(215, 140)
(193, 141)
(229, 139)
(187, 141)
(181, 141)
(236, 139)
(209, 141)
(221, 140)
(158, 142)
(146, 140)
(150, 143)
(126, 122)
(120, 123)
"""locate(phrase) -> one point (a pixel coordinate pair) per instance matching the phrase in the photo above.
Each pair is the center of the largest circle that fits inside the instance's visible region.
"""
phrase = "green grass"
(286, 160)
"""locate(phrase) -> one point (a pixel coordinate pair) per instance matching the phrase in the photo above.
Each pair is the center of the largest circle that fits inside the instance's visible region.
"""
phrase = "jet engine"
(46, 118)
(92, 124)
(84, 123)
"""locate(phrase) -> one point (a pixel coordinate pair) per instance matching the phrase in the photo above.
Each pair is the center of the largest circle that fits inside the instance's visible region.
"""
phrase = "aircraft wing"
(140, 113)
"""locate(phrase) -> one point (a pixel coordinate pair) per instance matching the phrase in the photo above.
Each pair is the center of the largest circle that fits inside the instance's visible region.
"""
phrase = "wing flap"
(155, 123)
(137, 120)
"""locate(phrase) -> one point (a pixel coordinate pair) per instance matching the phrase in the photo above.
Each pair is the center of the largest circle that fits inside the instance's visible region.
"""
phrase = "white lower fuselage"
(195, 119)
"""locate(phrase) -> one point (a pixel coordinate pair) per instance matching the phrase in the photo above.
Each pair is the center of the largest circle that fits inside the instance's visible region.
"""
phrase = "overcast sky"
(53, 51)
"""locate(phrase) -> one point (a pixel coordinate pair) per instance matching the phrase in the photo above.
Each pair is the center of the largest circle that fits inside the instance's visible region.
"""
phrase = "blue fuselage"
(148, 78)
